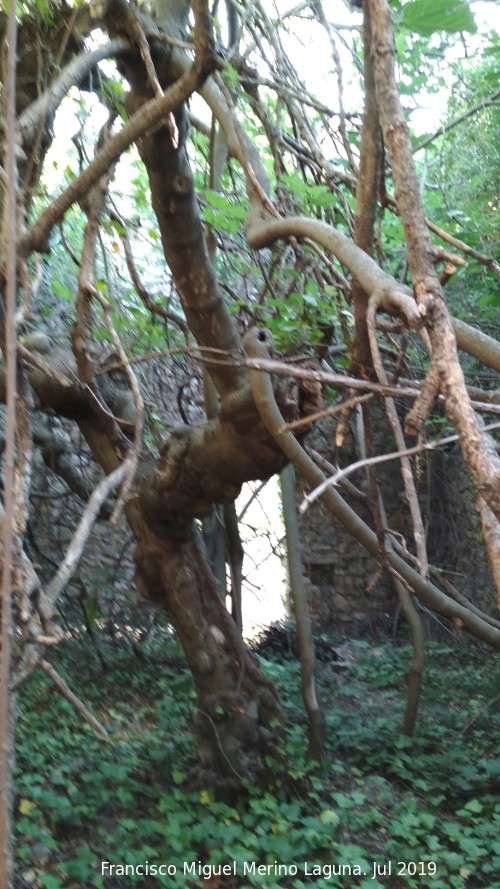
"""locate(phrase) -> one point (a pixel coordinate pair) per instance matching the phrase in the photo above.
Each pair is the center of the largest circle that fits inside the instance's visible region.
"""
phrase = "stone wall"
(347, 590)
(104, 575)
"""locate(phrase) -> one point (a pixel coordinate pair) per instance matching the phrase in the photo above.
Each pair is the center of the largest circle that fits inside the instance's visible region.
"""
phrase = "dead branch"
(70, 696)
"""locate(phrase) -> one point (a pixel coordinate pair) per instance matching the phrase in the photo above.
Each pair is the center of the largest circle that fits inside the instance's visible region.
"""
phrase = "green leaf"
(489, 299)
(428, 16)
(218, 200)
(473, 806)
(62, 290)
(329, 816)
(50, 882)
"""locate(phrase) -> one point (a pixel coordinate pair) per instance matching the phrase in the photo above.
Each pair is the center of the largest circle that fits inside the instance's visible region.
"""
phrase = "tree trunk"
(368, 182)
(238, 714)
(237, 707)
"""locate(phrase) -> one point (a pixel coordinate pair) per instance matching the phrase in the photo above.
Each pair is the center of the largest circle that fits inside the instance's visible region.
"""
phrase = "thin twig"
(445, 128)
(142, 292)
(340, 474)
(328, 412)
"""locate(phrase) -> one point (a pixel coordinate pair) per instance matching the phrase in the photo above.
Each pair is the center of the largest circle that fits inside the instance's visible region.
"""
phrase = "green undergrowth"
(382, 810)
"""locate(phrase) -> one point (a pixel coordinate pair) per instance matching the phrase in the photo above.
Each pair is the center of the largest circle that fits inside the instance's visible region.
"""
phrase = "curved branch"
(261, 232)
(72, 75)
(392, 296)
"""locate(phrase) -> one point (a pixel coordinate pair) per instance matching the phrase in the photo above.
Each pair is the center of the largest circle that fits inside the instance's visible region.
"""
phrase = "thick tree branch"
(393, 297)
(477, 343)
(73, 74)
(149, 116)
(263, 231)
(174, 199)
(367, 189)
(483, 463)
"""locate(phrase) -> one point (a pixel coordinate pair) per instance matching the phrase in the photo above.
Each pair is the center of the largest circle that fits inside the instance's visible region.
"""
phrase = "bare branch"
(445, 128)
(134, 453)
(80, 537)
(70, 696)
(406, 469)
(394, 297)
(340, 474)
(482, 462)
(142, 292)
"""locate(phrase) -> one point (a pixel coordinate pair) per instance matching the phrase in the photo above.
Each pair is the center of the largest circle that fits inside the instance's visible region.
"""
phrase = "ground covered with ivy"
(383, 810)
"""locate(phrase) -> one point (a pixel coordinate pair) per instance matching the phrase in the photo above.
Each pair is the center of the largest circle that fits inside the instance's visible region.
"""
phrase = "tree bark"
(366, 204)
(445, 375)
(238, 715)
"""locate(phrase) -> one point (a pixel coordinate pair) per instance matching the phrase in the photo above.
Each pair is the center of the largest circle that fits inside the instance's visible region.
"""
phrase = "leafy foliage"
(377, 798)
(427, 16)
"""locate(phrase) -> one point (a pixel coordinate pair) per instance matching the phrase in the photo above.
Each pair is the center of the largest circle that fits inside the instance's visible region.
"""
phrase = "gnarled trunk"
(238, 713)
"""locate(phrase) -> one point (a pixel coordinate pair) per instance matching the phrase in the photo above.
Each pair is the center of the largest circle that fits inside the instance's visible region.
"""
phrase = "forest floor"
(383, 810)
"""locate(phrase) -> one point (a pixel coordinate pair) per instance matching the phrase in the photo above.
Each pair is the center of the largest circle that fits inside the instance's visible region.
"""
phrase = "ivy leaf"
(48, 881)
(427, 16)
(329, 816)
(26, 806)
